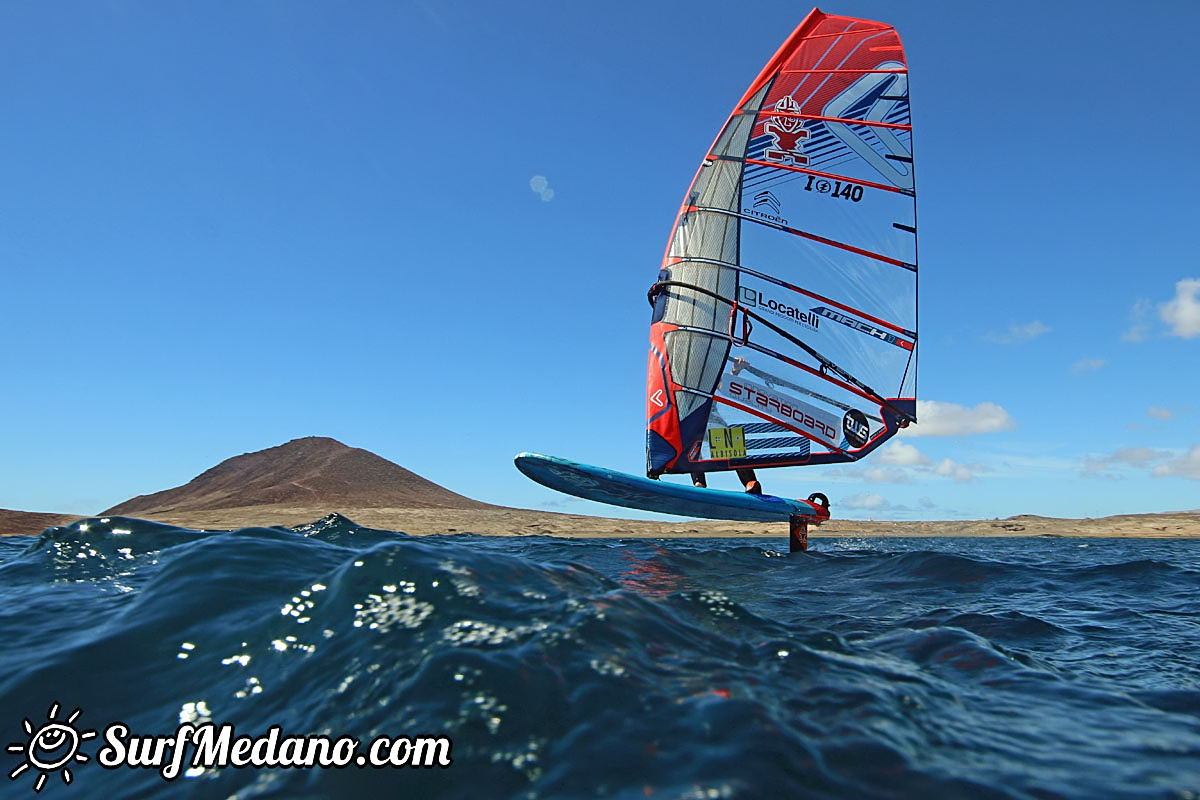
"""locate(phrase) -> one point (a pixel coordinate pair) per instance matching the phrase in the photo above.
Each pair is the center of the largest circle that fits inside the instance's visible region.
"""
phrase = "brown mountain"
(31, 523)
(314, 472)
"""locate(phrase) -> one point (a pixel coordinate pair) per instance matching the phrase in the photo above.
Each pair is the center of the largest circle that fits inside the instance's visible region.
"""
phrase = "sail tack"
(784, 329)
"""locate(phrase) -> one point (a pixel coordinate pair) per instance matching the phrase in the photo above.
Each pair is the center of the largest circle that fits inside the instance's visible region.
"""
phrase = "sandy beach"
(523, 522)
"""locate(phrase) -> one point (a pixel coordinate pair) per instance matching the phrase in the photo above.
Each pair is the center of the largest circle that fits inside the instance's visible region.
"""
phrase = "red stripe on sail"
(846, 120)
(843, 246)
(790, 168)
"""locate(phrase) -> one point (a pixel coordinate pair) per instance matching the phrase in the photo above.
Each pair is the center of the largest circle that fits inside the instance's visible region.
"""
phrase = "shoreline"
(501, 521)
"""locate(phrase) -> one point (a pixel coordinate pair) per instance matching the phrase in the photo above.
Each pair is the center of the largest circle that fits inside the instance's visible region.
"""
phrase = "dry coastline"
(501, 521)
(309, 478)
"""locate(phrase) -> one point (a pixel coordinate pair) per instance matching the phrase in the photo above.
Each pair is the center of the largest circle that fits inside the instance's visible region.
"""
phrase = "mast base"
(798, 534)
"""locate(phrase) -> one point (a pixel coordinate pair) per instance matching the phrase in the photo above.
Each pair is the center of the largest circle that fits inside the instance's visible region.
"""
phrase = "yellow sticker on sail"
(727, 442)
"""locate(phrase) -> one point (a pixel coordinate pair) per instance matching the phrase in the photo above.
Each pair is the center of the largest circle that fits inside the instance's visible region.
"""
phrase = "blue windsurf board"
(630, 491)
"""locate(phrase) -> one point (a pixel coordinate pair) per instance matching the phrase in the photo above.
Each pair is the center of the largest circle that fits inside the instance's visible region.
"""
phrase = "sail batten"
(841, 71)
(847, 120)
(787, 294)
(785, 285)
(807, 235)
(790, 168)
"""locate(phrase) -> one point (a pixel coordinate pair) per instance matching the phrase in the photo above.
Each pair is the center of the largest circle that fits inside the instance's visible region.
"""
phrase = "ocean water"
(554, 668)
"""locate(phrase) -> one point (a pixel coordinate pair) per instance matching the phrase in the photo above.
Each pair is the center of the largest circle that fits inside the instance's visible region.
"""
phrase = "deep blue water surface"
(889, 668)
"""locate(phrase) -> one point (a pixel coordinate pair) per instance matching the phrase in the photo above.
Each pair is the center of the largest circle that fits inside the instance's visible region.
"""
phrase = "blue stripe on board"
(762, 427)
(787, 456)
(778, 441)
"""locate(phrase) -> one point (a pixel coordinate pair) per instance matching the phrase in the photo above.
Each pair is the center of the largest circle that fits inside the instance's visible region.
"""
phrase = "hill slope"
(314, 472)
(31, 523)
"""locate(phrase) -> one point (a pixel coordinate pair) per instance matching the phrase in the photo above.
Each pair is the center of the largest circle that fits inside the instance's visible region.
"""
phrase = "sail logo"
(795, 414)
(754, 299)
(787, 132)
(766, 207)
(879, 96)
(863, 327)
(856, 428)
(768, 200)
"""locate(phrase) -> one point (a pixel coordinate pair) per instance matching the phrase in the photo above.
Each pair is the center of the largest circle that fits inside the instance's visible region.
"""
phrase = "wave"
(564, 668)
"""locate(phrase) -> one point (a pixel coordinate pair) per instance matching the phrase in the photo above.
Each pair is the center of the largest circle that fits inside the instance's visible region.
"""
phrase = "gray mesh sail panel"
(718, 185)
(732, 141)
(755, 103)
(706, 235)
(687, 402)
(697, 309)
(697, 359)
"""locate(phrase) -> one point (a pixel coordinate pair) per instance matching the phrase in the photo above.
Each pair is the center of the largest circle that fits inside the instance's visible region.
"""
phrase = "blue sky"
(427, 228)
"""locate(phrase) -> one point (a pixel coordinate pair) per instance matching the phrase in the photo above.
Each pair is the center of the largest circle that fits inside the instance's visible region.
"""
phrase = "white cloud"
(949, 468)
(950, 419)
(1158, 412)
(1020, 333)
(1136, 456)
(1136, 333)
(884, 475)
(1182, 313)
(1098, 467)
(1014, 465)
(1139, 331)
(870, 502)
(1186, 466)
(899, 454)
(902, 463)
(1087, 365)
(925, 502)
(1101, 466)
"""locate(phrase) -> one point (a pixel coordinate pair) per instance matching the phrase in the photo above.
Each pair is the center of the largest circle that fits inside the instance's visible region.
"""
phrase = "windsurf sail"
(784, 329)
